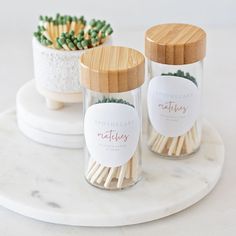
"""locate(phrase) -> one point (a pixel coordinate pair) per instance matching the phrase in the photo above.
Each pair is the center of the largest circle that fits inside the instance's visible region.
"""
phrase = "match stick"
(97, 173)
(175, 146)
(73, 31)
(62, 42)
(73, 23)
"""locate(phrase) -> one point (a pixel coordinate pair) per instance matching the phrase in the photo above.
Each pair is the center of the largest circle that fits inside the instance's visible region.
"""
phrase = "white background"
(216, 214)
(131, 14)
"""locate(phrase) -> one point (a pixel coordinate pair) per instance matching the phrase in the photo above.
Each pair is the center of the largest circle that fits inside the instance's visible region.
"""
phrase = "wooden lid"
(112, 69)
(175, 44)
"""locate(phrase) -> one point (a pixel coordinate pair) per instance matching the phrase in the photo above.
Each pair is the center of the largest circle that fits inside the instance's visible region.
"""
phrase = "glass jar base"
(127, 183)
(180, 157)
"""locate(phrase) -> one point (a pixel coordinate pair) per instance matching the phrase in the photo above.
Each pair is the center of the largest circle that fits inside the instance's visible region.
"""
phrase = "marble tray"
(47, 183)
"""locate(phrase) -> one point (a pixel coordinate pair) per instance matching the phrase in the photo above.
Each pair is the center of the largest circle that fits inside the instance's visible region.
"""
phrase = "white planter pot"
(57, 74)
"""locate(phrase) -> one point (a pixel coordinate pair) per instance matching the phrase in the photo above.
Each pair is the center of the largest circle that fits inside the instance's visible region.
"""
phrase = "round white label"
(111, 133)
(173, 104)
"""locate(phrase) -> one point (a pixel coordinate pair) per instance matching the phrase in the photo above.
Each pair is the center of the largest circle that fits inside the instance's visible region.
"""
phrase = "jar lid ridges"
(112, 69)
(175, 44)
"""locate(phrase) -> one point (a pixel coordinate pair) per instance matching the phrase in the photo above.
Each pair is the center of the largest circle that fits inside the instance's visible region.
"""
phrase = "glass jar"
(175, 55)
(112, 79)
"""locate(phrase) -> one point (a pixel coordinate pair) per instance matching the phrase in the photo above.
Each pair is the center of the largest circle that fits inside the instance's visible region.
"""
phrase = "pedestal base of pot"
(55, 101)
(63, 128)
(48, 184)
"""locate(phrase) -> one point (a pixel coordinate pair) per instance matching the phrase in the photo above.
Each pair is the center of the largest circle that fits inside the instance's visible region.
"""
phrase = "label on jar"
(111, 133)
(173, 105)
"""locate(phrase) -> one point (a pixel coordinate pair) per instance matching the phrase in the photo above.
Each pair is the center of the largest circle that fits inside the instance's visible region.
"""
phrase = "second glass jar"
(175, 68)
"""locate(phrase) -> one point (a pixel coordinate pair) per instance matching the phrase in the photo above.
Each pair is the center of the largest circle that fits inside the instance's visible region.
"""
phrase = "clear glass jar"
(120, 134)
(112, 116)
(175, 55)
(179, 130)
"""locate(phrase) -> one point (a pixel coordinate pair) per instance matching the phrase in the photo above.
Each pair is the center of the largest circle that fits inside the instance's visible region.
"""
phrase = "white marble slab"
(59, 128)
(31, 108)
(56, 140)
(47, 183)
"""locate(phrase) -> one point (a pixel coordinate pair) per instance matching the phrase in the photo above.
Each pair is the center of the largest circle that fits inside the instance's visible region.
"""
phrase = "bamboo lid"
(112, 69)
(175, 44)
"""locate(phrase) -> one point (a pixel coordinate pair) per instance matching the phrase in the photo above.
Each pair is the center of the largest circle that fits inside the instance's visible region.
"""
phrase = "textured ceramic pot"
(57, 74)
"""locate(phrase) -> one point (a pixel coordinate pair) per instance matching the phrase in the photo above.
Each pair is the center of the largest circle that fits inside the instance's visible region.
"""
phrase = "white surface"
(32, 110)
(130, 14)
(54, 140)
(48, 184)
(215, 215)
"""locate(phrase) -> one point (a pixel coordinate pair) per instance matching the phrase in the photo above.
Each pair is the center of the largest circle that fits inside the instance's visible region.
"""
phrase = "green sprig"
(113, 100)
(181, 74)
